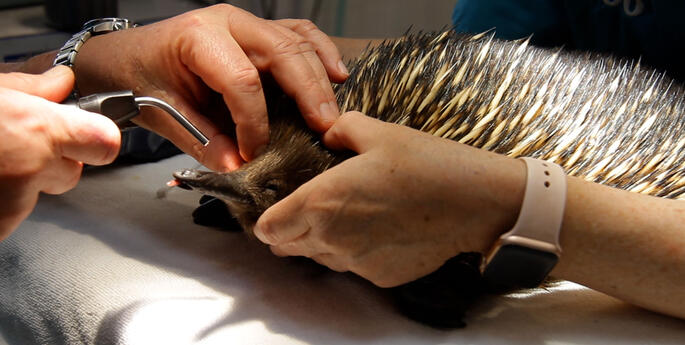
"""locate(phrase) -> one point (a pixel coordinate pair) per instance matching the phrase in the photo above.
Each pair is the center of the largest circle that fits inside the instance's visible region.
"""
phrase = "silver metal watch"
(67, 54)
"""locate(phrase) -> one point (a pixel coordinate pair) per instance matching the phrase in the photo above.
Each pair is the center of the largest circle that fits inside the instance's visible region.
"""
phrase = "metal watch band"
(67, 54)
(524, 256)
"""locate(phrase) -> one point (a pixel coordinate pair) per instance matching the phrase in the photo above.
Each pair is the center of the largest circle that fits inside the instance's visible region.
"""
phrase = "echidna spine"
(603, 119)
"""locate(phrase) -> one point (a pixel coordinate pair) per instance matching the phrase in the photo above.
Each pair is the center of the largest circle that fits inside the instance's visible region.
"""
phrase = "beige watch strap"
(539, 223)
(524, 256)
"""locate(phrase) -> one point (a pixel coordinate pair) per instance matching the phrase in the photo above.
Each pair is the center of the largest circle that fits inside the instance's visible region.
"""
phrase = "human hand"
(43, 145)
(221, 49)
(396, 212)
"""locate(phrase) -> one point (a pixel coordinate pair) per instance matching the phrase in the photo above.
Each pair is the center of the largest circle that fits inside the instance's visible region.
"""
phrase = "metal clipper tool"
(122, 106)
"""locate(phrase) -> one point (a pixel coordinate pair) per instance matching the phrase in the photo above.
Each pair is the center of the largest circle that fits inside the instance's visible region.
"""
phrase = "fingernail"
(328, 113)
(343, 68)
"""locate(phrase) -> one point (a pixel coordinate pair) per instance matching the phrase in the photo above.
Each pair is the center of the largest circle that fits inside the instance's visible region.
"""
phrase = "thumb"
(355, 131)
(54, 85)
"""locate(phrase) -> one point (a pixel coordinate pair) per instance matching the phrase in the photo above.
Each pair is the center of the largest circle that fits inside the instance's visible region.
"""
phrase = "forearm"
(35, 65)
(626, 245)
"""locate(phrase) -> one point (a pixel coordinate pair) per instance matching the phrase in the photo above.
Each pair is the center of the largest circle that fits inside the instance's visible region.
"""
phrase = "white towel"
(109, 263)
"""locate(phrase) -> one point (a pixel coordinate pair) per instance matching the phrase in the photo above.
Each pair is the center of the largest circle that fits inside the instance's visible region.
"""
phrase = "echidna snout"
(229, 187)
(292, 157)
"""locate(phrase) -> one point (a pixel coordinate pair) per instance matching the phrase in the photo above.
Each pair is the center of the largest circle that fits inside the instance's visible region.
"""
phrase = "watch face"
(515, 266)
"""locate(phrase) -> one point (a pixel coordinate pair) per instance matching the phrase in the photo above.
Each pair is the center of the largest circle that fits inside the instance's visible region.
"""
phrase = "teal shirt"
(653, 34)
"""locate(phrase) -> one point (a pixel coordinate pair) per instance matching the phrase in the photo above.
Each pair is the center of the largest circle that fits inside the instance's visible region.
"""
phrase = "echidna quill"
(603, 119)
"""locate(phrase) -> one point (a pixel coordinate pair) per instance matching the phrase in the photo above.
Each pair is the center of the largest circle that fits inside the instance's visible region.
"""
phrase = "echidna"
(603, 119)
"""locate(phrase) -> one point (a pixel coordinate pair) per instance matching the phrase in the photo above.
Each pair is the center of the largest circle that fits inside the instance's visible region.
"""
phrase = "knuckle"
(305, 26)
(190, 21)
(223, 7)
(266, 231)
(285, 46)
(247, 80)
(348, 119)
(306, 47)
(203, 16)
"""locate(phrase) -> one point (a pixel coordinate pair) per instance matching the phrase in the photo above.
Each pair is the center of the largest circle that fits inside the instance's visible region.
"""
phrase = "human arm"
(627, 245)
(207, 60)
(43, 145)
(410, 201)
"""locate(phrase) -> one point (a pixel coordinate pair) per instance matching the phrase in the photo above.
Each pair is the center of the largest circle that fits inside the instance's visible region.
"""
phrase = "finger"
(61, 177)
(70, 132)
(283, 56)
(53, 85)
(355, 131)
(277, 225)
(309, 51)
(325, 48)
(221, 154)
(82, 136)
(222, 64)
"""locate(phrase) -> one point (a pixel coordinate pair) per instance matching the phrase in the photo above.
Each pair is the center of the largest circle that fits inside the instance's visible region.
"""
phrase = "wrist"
(526, 254)
(93, 67)
(508, 184)
(68, 54)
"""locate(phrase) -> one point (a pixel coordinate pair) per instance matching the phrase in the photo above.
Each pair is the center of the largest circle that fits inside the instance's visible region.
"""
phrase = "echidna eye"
(272, 186)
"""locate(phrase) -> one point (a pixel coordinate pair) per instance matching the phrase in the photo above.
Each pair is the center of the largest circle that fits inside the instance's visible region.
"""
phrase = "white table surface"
(110, 263)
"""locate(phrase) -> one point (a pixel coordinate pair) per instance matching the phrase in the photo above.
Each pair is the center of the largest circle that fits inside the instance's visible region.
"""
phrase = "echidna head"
(293, 157)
